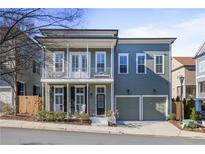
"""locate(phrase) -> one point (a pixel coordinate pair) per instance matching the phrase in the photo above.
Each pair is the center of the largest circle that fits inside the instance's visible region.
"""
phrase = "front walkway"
(143, 128)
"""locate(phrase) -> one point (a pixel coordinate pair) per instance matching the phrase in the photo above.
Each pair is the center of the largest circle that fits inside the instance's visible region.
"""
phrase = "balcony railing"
(78, 73)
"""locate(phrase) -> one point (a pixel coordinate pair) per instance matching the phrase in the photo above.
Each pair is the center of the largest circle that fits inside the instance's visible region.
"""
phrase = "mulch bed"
(32, 118)
(177, 124)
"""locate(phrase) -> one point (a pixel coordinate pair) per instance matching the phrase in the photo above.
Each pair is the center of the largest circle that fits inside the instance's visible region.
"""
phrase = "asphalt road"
(36, 137)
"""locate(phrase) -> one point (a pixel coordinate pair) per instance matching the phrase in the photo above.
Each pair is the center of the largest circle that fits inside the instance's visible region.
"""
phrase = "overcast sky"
(188, 25)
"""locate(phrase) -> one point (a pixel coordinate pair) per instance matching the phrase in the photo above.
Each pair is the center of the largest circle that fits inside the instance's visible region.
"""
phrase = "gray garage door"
(154, 108)
(128, 108)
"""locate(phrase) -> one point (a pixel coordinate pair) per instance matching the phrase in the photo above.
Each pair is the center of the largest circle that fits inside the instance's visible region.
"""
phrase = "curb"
(92, 129)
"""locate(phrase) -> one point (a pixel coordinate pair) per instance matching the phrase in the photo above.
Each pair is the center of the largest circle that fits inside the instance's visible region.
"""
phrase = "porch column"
(112, 97)
(87, 98)
(67, 61)
(68, 100)
(112, 60)
(46, 97)
(87, 48)
(43, 97)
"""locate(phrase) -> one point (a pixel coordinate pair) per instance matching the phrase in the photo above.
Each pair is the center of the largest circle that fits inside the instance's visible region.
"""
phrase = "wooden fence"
(30, 105)
(176, 108)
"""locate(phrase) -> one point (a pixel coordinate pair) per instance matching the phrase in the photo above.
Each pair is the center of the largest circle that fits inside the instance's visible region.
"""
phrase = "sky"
(188, 25)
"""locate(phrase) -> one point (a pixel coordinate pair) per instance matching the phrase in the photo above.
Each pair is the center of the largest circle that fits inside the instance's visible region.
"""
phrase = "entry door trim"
(167, 102)
(97, 86)
(131, 96)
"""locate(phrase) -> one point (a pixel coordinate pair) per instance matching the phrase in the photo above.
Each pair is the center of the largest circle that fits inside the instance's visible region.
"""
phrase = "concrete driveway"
(153, 127)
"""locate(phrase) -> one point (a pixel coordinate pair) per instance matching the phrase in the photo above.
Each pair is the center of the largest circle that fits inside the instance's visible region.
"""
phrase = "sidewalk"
(156, 129)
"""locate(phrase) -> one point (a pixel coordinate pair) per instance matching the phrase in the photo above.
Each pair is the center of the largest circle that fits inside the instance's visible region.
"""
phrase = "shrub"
(190, 124)
(59, 116)
(193, 115)
(177, 99)
(7, 109)
(172, 116)
(188, 108)
(51, 116)
(82, 116)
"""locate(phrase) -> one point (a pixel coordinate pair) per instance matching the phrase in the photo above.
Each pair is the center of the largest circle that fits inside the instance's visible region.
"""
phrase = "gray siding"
(200, 76)
(142, 84)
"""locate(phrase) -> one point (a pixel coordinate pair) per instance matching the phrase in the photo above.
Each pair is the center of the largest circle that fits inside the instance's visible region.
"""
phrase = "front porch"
(92, 98)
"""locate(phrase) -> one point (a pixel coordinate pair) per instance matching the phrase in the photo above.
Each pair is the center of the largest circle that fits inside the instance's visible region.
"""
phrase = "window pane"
(123, 63)
(141, 69)
(84, 63)
(100, 62)
(159, 68)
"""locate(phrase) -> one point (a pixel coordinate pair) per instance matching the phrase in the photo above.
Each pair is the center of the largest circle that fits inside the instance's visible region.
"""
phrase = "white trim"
(77, 80)
(201, 76)
(97, 86)
(199, 65)
(100, 52)
(87, 95)
(131, 96)
(67, 61)
(167, 103)
(5, 87)
(54, 61)
(146, 40)
(170, 77)
(145, 62)
(127, 56)
(61, 94)
(162, 63)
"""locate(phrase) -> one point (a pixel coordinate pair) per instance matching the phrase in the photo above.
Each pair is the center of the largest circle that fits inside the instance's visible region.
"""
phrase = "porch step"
(99, 121)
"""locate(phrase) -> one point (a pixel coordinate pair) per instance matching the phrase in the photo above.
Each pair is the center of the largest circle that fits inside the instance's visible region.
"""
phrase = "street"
(35, 137)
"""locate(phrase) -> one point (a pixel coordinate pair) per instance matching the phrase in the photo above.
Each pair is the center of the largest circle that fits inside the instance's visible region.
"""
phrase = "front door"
(58, 99)
(79, 64)
(80, 99)
(100, 96)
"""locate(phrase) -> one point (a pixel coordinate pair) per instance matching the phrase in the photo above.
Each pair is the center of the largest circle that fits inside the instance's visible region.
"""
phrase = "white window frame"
(59, 94)
(123, 54)
(79, 94)
(145, 62)
(54, 61)
(200, 64)
(24, 89)
(96, 53)
(99, 86)
(162, 64)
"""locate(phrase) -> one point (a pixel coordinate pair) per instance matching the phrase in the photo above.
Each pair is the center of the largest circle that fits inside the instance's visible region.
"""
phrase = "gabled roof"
(186, 61)
(201, 51)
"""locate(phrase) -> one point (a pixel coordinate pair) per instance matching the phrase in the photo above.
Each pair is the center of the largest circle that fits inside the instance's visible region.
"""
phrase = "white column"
(87, 98)
(67, 61)
(68, 102)
(46, 96)
(88, 60)
(112, 62)
(112, 97)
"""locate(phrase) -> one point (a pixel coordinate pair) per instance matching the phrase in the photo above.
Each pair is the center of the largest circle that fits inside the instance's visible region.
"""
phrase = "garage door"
(128, 108)
(154, 108)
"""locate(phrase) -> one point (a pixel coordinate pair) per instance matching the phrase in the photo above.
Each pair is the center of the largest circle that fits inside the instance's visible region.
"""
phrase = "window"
(100, 62)
(75, 63)
(202, 66)
(202, 87)
(59, 99)
(59, 62)
(36, 90)
(21, 88)
(159, 64)
(140, 63)
(84, 63)
(36, 67)
(123, 63)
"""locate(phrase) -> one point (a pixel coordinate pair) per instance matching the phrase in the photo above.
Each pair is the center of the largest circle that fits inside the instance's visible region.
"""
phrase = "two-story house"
(95, 71)
(183, 66)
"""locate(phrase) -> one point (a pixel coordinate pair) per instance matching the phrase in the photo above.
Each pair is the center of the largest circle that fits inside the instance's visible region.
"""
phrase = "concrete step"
(99, 121)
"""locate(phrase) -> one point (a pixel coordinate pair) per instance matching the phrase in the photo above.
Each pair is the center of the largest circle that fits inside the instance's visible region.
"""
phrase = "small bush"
(177, 99)
(193, 115)
(188, 108)
(172, 116)
(82, 116)
(190, 124)
(51, 116)
(8, 110)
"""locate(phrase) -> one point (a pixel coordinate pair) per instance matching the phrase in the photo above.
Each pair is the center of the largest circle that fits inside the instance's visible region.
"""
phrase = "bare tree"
(17, 29)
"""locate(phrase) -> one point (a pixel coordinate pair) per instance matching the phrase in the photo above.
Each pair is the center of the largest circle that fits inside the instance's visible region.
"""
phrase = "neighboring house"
(95, 71)
(200, 73)
(183, 66)
(28, 81)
